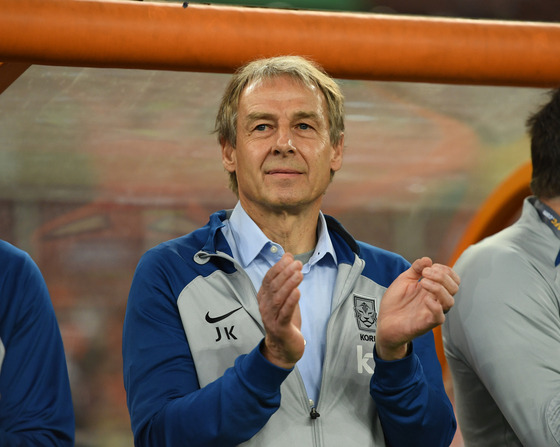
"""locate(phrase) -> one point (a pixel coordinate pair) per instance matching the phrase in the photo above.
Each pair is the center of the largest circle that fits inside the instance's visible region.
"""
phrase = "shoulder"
(344, 241)
(506, 251)
(170, 266)
(503, 274)
(382, 266)
(17, 269)
(517, 249)
(178, 250)
(12, 258)
(373, 253)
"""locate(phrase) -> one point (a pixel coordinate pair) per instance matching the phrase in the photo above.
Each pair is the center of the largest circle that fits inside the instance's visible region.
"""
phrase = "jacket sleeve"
(413, 407)
(35, 400)
(166, 404)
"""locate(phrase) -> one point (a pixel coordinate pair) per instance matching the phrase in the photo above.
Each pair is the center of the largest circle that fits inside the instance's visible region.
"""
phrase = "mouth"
(283, 172)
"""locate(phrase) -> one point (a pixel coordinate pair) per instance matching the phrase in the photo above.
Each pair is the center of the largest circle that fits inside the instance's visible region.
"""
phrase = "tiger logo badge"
(366, 313)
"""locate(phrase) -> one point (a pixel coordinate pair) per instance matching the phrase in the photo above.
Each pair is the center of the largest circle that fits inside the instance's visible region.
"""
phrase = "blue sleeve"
(166, 404)
(35, 400)
(413, 406)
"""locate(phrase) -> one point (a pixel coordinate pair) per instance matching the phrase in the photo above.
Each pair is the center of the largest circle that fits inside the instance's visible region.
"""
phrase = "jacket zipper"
(314, 414)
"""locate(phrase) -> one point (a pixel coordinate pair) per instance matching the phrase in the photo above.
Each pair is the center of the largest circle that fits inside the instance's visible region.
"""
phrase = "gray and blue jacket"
(194, 374)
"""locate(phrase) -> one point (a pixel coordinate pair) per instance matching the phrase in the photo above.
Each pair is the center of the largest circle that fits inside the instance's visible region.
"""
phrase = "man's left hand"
(414, 304)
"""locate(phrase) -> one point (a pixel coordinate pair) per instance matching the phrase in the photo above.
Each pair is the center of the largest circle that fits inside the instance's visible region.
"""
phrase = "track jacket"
(194, 374)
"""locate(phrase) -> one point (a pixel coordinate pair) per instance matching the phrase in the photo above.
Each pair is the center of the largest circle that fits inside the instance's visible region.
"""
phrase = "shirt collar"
(550, 218)
(250, 241)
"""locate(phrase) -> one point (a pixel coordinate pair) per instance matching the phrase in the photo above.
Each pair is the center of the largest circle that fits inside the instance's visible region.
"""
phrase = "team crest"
(366, 313)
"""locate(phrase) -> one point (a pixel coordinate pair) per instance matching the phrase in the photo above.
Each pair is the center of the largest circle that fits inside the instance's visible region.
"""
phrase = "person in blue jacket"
(271, 326)
(35, 400)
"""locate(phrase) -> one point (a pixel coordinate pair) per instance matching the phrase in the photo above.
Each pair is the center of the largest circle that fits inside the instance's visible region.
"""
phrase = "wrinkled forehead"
(296, 81)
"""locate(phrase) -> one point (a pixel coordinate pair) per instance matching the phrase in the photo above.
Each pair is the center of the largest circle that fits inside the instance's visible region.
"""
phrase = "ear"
(229, 159)
(337, 153)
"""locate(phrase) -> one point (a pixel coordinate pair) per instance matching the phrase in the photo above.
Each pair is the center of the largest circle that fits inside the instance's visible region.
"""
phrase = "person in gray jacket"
(258, 329)
(502, 338)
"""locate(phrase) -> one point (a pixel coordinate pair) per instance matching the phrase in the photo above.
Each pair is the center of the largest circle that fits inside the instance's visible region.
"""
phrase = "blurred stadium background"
(98, 165)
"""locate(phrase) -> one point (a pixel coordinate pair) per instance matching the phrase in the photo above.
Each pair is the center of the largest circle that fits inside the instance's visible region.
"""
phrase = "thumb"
(417, 267)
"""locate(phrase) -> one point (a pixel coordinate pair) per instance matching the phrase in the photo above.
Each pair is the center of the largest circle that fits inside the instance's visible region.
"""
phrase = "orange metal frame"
(10, 72)
(209, 38)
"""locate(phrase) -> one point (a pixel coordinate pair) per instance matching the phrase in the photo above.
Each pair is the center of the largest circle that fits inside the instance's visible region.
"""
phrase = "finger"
(281, 286)
(436, 310)
(287, 280)
(444, 275)
(438, 293)
(278, 268)
(289, 306)
(418, 266)
(455, 277)
(279, 273)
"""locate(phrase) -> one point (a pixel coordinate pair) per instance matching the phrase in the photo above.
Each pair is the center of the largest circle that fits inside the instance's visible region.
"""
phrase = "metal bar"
(168, 36)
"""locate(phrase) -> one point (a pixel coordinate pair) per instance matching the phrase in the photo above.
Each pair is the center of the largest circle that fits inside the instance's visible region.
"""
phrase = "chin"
(292, 203)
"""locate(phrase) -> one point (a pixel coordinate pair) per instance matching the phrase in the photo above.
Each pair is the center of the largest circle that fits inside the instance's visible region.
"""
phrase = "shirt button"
(274, 249)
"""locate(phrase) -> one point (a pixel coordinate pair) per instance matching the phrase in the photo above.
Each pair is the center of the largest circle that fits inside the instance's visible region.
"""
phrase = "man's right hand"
(278, 300)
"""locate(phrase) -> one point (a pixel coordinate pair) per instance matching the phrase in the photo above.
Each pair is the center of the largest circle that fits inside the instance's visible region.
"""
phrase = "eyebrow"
(307, 115)
(255, 116)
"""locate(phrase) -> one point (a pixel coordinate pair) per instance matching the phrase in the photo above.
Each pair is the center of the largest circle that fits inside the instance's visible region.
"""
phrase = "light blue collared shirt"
(256, 253)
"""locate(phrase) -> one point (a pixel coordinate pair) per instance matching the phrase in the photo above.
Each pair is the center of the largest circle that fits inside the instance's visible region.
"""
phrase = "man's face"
(283, 156)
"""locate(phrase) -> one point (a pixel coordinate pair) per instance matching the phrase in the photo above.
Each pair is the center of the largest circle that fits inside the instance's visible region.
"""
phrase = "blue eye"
(304, 126)
(260, 127)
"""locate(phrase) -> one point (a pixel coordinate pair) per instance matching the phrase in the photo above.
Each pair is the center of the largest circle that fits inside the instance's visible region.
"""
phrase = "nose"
(284, 144)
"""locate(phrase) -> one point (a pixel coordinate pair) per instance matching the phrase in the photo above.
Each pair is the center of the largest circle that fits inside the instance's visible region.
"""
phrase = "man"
(35, 401)
(258, 329)
(502, 338)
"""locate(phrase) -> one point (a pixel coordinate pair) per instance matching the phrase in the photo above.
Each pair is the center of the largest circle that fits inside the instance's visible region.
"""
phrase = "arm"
(413, 407)
(35, 400)
(166, 404)
(407, 384)
(510, 322)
